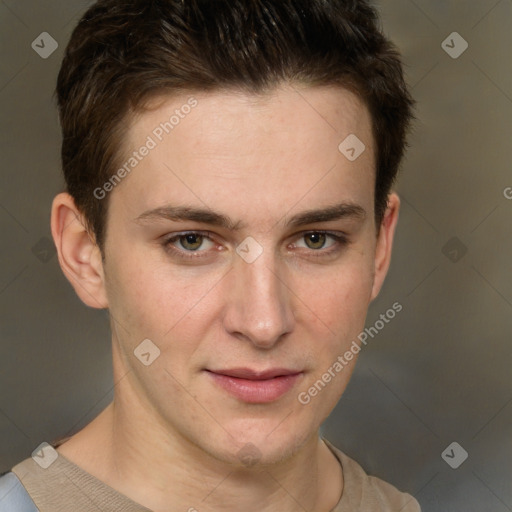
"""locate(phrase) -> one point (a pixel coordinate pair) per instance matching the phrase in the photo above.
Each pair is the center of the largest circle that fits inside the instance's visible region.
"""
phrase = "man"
(228, 167)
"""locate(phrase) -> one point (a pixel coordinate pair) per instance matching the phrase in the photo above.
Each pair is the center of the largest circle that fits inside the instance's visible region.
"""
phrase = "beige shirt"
(65, 487)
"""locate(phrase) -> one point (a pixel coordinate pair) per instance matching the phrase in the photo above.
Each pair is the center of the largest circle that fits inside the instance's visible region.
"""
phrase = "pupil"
(317, 238)
(192, 240)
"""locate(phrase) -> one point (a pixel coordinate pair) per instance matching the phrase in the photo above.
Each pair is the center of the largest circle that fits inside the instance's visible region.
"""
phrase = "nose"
(259, 307)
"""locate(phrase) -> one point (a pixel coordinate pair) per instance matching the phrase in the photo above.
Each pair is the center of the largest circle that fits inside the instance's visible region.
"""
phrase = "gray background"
(437, 373)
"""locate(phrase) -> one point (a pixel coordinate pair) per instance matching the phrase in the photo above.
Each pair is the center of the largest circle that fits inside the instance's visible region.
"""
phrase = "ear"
(385, 243)
(79, 256)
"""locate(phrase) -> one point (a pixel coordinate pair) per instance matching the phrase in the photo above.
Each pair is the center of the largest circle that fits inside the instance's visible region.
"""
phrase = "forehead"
(232, 150)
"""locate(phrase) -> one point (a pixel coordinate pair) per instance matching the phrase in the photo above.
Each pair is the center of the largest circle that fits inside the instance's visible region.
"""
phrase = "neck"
(165, 472)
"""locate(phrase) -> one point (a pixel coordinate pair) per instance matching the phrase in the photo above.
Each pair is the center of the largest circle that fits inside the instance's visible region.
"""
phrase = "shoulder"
(13, 495)
(52, 483)
(364, 492)
(44, 481)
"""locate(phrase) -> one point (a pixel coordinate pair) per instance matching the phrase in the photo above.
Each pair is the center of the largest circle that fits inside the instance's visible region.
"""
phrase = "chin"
(260, 443)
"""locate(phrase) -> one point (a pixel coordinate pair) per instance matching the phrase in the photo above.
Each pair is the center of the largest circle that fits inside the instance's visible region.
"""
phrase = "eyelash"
(340, 239)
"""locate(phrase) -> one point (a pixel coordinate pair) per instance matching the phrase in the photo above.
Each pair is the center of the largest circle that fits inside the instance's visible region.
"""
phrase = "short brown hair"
(123, 53)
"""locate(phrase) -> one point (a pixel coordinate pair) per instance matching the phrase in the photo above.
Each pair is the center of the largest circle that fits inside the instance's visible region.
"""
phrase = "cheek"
(155, 300)
(341, 305)
(342, 295)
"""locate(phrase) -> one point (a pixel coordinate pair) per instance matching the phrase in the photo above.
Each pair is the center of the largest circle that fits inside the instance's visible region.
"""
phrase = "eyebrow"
(208, 216)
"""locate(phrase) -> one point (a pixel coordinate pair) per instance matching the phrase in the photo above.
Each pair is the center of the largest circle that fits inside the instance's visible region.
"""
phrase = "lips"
(248, 374)
(254, 386)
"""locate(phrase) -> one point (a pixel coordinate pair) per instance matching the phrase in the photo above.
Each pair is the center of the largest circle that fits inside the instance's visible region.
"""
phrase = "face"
(243, 245)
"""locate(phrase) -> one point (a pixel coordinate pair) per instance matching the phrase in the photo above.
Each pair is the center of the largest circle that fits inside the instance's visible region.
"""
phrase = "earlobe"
(79, 255)
(385, 243)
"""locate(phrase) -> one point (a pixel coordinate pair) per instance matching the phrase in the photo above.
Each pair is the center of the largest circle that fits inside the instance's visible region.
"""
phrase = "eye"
(194, 245)
(316, 240)
(189, 242)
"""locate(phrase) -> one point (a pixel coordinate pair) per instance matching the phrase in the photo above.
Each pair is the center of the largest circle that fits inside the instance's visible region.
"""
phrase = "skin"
(171, 438)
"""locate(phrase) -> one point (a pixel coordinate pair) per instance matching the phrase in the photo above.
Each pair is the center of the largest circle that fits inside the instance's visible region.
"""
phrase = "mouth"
(252, 386)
